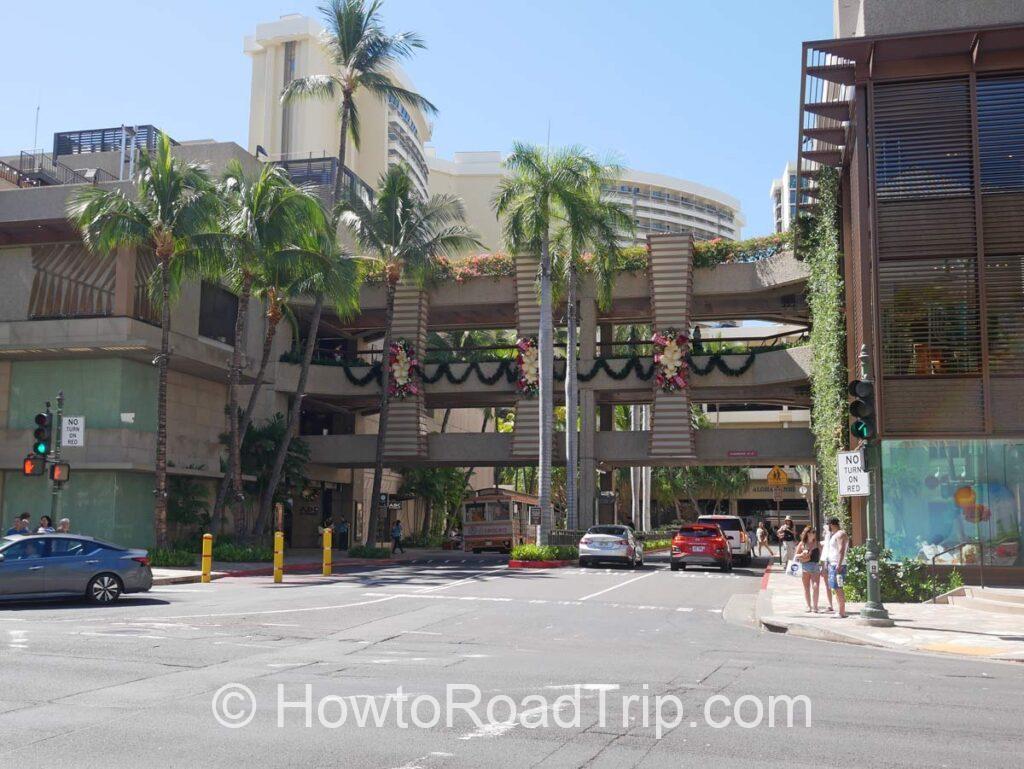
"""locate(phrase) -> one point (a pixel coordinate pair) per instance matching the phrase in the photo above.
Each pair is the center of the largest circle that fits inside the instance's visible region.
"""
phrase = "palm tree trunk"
(382, 420)
(571, 405)
(234, 378)
(545, 395)
(267, 500)
(428, 510)
(160, 508)
(225, 482)
(346, 105)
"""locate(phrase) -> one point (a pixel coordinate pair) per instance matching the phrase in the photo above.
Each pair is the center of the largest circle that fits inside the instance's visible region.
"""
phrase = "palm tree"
(599, 224)
(264, 219)
(363, 55)
(174, 202)
(546, 192)
(332, 277)
(407, 236)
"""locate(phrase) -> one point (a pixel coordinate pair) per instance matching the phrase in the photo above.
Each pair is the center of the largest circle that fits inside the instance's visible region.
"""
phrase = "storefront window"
(938, 494)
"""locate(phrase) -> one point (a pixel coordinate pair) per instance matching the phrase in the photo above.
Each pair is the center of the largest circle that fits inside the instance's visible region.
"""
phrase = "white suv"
(739, 541)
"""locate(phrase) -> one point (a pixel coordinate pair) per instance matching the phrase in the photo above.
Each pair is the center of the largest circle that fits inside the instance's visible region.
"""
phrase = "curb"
(187, 579)
(306, 568)
(539, 564)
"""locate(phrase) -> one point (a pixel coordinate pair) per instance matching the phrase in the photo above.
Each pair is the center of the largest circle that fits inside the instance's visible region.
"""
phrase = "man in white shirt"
(838, 543)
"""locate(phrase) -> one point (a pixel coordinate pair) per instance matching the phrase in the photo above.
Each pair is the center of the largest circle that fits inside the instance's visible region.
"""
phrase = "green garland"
(828, 343)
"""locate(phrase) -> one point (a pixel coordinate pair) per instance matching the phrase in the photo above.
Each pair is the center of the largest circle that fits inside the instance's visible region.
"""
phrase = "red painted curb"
(765, 576)
(539, 564)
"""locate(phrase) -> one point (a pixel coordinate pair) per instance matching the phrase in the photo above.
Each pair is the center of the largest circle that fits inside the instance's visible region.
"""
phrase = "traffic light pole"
(873, 612)
(55, 485)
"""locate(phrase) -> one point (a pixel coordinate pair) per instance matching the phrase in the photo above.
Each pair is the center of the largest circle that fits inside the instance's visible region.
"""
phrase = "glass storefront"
(940, 493)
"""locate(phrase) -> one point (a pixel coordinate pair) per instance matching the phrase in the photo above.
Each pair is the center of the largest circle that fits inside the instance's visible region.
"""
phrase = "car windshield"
(726, 524)
(615, 531)
(702, 533)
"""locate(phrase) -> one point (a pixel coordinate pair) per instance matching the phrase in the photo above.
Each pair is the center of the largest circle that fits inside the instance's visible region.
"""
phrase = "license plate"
(698, 548)
(606, 545)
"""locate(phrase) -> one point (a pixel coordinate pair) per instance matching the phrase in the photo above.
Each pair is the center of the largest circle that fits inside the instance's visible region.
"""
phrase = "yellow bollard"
(278, 556)
(207, 560)
(327, 552)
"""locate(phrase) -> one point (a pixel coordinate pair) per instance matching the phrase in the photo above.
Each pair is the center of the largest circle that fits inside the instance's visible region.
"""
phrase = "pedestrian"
(20, 526)
(343, 534)
(787, 540)
(762, 539)
(823, 572)
(808, 555)
(45, 525)
(838, 544)
(396, 538)
(64, 526)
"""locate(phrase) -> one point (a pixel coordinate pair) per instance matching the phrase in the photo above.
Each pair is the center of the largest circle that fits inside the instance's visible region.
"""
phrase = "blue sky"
(703, 90)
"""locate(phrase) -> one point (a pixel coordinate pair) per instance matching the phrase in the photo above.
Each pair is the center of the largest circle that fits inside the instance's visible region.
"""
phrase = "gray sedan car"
(61, 565)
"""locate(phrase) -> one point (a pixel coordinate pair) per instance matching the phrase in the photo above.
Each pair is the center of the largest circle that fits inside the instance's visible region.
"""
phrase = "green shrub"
(654, 544)
(368, 551)
(232, 553)
(171, 556)
(544, 553)
(432, 541)
(903, 581)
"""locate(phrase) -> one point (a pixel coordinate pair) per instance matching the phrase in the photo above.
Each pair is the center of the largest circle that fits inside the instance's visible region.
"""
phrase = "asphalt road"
(133, 685)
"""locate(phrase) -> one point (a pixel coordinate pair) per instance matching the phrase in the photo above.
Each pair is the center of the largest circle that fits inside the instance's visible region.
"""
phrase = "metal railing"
(45, 170)
(105, 139)
(12, 175)
(960, 547)
(320, 172)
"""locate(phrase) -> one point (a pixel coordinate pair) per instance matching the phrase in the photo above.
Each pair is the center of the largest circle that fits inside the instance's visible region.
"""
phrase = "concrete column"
(587, 492)
(124, 281)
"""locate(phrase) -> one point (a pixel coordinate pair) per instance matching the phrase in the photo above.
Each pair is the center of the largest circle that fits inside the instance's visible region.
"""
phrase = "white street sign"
(72, 432)
(854, 480)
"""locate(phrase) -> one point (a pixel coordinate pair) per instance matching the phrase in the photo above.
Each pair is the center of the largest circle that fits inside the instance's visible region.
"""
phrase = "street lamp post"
(873, 612)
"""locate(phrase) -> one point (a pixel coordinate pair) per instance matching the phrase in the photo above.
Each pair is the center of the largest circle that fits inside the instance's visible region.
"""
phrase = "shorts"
(836, 576)
(811, 567)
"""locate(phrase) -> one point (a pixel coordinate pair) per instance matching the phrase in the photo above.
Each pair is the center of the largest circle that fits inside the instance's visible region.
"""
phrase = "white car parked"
(739, 541)
(611, 544)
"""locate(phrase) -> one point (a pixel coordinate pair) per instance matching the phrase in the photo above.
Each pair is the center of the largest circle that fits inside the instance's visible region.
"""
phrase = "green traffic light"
(41, 448)
(862, 429)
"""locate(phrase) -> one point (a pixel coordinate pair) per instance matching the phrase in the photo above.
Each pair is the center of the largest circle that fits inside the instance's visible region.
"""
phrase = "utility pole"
(55, 485)
(873, 612)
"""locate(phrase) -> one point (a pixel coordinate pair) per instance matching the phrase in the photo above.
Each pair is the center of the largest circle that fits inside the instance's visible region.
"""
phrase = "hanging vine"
(828, 342)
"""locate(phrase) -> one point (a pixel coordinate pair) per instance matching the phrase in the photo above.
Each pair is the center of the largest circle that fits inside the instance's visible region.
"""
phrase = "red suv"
(701, 544)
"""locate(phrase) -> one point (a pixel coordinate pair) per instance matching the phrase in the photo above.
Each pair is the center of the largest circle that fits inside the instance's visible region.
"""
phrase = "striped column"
(670, 271)
(407, 419)
(526, 435)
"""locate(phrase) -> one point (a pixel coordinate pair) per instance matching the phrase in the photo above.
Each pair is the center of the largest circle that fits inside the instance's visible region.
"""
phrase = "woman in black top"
(808, 554)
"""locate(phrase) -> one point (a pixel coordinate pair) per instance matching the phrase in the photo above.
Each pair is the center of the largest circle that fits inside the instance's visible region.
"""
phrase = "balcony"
(320, 172)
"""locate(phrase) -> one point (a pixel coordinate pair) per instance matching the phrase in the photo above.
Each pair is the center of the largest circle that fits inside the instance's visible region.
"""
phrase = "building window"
(1001, 133)
(930, 317)
(938, 494)
(218, 309)
(286, 108)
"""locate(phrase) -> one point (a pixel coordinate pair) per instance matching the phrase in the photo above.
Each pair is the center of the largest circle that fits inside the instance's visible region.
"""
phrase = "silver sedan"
(62, 565)
(611, 544)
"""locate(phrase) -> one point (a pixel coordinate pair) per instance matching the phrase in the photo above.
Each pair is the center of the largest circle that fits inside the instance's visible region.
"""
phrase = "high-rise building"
(659, 204)
(302, 131)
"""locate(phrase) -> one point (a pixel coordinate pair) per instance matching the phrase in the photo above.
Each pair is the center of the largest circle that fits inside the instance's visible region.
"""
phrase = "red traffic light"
(60, 472)
(33, 465)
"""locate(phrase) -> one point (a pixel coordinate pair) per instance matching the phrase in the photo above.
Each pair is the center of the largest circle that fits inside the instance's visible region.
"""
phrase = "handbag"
(793, 568)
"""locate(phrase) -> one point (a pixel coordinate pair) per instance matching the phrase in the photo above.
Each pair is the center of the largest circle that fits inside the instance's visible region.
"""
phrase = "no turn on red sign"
(854, 480)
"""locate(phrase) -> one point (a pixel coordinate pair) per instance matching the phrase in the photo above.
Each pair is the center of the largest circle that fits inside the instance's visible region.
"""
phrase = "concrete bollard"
(207, 559)
(278, 556)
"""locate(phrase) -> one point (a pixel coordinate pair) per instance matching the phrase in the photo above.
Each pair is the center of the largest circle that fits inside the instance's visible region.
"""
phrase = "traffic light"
(33, 465)
(60, 472)
(43, 433)
(862, 409)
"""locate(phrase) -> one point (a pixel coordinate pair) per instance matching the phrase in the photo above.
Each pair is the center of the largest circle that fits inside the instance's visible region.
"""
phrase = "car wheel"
(727, 566)
(674, 566)
(103, 588)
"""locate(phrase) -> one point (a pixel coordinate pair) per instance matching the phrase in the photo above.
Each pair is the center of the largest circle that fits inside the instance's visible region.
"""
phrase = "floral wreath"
(404, 366)
(528, 381)
(670, 348)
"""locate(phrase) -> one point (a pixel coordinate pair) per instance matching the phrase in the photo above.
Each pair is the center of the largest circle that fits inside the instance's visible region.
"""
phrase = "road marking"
(617, 586)
(418, 632)
(276, 611)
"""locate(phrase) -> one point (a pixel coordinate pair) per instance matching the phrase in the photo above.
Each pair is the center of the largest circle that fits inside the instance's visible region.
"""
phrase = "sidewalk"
(925, 627)
(296, 561)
